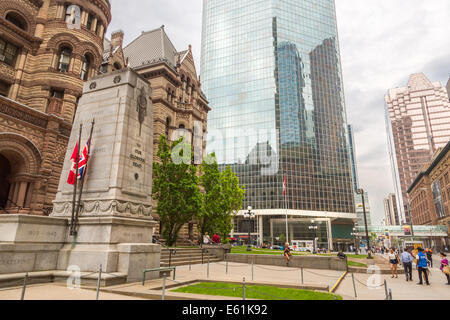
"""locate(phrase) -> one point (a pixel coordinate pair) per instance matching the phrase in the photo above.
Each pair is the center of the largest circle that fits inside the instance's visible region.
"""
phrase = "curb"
(336, 285)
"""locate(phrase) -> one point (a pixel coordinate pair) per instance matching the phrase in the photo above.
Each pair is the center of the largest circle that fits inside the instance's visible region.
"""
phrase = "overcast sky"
(382, 42)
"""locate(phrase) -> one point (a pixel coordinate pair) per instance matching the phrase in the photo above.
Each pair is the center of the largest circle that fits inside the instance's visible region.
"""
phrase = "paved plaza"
(368, 287)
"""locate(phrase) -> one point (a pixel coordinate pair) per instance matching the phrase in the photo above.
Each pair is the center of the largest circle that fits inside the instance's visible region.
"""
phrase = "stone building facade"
(429, 195)
(48, 48)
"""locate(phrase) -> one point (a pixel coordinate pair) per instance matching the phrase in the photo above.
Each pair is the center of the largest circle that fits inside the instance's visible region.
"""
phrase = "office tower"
(272, 74)
(391, 212)
(418, 123)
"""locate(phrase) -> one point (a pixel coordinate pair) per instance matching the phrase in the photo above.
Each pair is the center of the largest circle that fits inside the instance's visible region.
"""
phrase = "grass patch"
(357, 256)
(356, 264)
(256, 292)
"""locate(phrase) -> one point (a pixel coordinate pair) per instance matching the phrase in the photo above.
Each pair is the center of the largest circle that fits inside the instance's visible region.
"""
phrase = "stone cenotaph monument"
(115, 227)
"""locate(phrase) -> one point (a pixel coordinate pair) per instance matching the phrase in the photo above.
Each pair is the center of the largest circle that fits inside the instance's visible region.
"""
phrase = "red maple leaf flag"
(73, 169)
(284, 186)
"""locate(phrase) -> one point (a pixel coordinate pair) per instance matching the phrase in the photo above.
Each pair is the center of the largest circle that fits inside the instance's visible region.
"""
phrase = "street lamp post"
(354, 235)
(361, 192)
(314, 228)
(249, 248)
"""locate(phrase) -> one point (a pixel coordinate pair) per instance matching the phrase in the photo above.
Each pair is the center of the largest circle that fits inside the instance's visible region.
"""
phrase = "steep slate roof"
(151, 47)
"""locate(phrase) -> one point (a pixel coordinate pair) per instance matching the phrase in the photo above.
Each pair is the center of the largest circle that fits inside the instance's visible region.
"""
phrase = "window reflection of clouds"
(239, 70)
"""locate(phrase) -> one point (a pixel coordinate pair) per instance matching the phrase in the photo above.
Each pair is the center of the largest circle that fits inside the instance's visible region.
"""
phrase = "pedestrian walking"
(422, 265)
(287, 253)
(445, 267)
(393, 260)
(407, 260)
(429, 254)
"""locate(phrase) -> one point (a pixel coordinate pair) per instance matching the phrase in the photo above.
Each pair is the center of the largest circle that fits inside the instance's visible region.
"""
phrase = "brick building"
(429, 195)
(48, 48)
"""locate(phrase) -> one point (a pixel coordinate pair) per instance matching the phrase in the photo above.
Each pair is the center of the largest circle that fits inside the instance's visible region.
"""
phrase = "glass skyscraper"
(272, 74)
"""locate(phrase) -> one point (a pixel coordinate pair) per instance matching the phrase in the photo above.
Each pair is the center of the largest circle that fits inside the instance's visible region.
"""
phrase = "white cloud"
(382, 42)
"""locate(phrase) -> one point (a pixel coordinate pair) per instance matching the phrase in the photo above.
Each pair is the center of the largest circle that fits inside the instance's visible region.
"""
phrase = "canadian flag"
(72, 173)
(284, 185)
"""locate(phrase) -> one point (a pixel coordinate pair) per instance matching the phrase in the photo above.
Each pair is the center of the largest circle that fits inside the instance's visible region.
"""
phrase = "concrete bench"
(165, 270)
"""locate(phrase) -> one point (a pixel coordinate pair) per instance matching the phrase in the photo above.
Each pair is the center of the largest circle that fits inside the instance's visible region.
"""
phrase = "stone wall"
(310, 262)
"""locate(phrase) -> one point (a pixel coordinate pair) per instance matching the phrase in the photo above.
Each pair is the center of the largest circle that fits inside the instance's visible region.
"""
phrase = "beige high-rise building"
(391, 213)
(418, 124)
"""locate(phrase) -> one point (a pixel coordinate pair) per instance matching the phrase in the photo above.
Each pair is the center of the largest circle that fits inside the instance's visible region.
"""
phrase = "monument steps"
(185, 256)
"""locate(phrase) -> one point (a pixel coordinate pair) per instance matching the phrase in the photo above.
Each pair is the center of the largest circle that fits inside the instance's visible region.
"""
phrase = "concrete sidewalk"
(266, 275)
(57, 291)
(370, 287)
(270, 275)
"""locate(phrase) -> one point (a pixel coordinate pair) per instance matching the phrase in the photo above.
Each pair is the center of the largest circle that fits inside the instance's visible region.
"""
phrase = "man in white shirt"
(407, 260)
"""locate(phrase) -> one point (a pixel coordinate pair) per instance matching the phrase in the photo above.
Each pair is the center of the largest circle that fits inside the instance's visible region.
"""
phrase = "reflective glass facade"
(271, 71)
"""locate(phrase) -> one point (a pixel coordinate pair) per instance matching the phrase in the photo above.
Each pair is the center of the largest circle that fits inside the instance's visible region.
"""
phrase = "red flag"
(284, 186)
(73, 169)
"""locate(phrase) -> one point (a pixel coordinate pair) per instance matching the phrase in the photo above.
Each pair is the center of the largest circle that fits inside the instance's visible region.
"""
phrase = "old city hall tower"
(48, 48)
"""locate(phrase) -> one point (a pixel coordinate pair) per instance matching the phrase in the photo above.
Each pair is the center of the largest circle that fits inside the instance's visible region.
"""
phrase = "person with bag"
(445, 267)
(393, 260)
(422, 265)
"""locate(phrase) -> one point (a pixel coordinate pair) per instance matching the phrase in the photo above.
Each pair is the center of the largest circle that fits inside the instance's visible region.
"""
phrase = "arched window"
(85, 67)
(182, 126)
(16, 20)
(64, 59)
(168, 94)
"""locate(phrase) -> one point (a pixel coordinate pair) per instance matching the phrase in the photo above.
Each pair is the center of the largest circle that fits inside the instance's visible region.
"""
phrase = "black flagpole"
(84, 175)
(75, 184)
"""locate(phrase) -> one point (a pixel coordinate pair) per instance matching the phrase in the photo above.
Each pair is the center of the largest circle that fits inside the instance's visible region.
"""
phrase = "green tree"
(175, 187)
(232, 197)
(222, 198)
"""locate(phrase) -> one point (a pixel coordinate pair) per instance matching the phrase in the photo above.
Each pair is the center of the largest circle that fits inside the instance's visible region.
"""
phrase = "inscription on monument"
(137, 157)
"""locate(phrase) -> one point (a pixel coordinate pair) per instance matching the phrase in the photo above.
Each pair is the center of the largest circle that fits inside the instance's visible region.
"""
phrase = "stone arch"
(18, 8)
(21, 152)
(20, 163)
(62, 39)
(89, 48)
